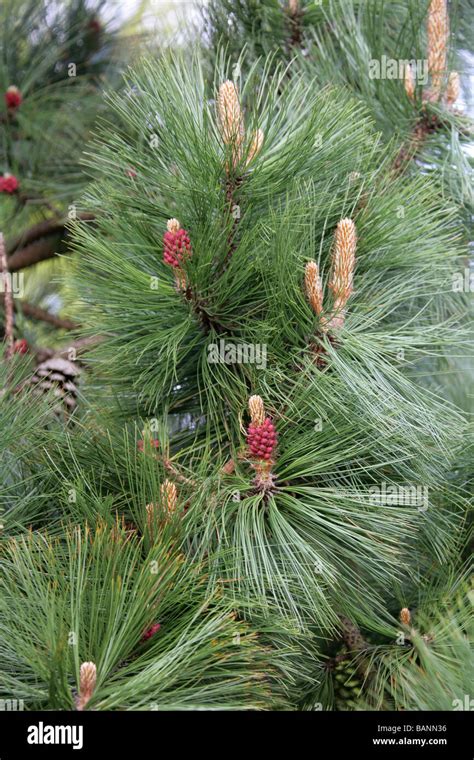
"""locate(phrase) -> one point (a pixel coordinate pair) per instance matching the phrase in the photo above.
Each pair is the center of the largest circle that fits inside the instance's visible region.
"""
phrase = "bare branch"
(7, 298)
(35, 312)
(39, 242)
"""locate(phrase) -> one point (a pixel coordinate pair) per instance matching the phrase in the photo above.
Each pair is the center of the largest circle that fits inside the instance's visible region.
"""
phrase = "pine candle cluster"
(343, 264)
(405, 616)
(167, 505)
(438, 46)
(87, 683)
(232, 128)
(341, 279)
(453, 90)
(169, 497)
(261, 436)
(438, 37)
(409, 82)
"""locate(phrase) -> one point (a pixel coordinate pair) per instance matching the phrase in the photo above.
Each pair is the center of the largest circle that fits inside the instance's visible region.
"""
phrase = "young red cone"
(150, 632)
(8, 184)
(261, 435)
(13, 97)
(176, 244)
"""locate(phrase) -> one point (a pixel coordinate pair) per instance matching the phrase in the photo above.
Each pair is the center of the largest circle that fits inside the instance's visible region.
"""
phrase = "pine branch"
(77, 347)
(7, 298)
(295, 14)
(40, 242)
(230, 188)
(37, 313)
(425, 126)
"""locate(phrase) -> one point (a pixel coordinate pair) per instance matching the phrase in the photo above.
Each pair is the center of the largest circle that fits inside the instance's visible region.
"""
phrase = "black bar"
(221, 734)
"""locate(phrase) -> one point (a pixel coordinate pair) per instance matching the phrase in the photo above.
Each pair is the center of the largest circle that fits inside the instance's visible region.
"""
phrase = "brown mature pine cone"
(57, 376)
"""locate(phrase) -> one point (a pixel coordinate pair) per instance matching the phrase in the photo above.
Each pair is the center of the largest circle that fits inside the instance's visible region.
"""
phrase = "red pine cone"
(262, 439)
(151, 631)
(153, 442)
(176, 246)
(8, 184)
(20, 346)
(13, 97)
(94, 25)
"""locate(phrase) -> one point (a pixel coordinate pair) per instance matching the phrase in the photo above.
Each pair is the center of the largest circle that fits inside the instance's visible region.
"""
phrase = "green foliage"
(337, 42)
(92, 595)
(423, 665)
(430, 666)
(60, 57)
(367, 398)
(48, 55)
(23, 420)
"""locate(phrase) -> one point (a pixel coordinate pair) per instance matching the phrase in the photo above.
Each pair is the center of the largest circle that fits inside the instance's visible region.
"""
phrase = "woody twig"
(7, 299)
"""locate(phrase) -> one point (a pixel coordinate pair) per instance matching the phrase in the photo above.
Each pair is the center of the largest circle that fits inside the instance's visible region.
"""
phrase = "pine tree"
(400, 58)
(54, 65)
